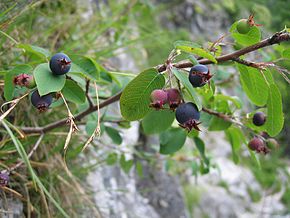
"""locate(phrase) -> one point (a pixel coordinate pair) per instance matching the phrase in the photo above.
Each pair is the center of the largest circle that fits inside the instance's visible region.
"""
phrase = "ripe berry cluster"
(186, 114)
(262, 144)
(59, 64)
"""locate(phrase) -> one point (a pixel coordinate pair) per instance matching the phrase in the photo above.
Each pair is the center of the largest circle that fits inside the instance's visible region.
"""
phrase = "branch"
(78, 117)
(275, 39)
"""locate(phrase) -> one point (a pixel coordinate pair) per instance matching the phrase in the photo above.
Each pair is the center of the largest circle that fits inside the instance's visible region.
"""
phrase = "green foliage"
(172, 140)
(135, 99)
(194, 48)
(157, 121)
(275, 118)
(73, 92)
(47, 82)
(254, 85)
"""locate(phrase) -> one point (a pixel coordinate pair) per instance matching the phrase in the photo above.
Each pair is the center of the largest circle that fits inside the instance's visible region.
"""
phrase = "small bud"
(24, 80)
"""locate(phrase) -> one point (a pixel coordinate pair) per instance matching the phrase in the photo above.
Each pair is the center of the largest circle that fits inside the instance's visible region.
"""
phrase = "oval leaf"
(85, 65)
(254, 84)
(194, 48)
(157, 121)
(47, 82)
(114, 135)
(135, 99)
(183, 78)
(172, 140)
(275, 118)
(73, 92)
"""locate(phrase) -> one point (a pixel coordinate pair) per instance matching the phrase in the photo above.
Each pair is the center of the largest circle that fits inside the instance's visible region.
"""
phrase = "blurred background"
(128, 36)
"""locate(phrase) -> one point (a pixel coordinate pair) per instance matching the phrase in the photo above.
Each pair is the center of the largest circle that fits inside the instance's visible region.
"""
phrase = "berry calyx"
(4, 179)
(60, 64)
(188, 115)
(199, 75)
(42, 103)
(258, 145)
(173, 98)
(24, 80)
(259, 118)
(158, 98)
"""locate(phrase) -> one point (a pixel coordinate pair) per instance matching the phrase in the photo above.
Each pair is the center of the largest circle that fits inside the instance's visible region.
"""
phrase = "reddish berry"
(188, 115)
(199, 75)
(42, 103)
(259, 118)
(158, 98)
(24, 80)
(173, 98)
(258, 145)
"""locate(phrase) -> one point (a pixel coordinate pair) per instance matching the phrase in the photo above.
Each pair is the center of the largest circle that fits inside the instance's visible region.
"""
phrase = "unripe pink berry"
(158, 98)
(173, 98)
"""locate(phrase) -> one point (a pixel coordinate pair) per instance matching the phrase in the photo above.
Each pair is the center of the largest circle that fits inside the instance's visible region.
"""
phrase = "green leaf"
(47, 82)
(275, 119)
(135, 99)
(286, 53)
(183, 78)
(218, 124)
(85, 65)
(234, 99)
(112, 159)
(139, 169)
(73, 92)
(114, 135)
(201, 149)
(172, 140)
(235, 135)
(157, 121)
(252, 37)
(254, 84)
(38, 51)
(8, 78)
(194, 48)
(126, 165)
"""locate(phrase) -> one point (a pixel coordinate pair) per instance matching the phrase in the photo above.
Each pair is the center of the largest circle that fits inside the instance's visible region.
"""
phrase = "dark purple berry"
(24, 80)
(199, 75)
(196, 80)
(188, 115)
(42, 103)
(258, 145)
(158, 98)
(60, 64)
(4, 179)
(259, 118)
(173, 98)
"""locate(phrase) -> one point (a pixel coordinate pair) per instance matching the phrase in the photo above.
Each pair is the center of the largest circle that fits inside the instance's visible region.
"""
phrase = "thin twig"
(275, 39)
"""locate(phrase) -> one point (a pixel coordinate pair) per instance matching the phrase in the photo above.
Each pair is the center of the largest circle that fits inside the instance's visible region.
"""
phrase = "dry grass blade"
(97, 131)
(70, 120)
(13, 105)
